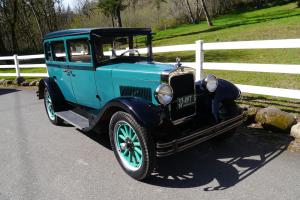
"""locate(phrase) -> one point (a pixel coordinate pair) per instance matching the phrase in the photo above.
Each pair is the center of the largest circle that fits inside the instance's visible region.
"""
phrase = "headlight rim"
(156, 93)
(207, 78)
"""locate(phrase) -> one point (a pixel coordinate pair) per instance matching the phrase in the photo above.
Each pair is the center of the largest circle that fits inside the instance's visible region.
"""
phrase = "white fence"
(199, 47)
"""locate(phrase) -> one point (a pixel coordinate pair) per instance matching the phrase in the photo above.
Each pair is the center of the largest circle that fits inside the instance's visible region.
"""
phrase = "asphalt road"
(41, 161)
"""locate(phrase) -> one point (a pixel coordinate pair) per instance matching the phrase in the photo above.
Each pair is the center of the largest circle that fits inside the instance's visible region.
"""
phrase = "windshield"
(121, 47)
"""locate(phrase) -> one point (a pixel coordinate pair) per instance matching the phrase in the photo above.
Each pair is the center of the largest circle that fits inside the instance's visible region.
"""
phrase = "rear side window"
(79, 51)
(59, 52)
(48, 52)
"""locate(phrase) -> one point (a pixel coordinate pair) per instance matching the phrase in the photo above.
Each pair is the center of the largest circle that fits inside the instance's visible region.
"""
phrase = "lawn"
(280, 22)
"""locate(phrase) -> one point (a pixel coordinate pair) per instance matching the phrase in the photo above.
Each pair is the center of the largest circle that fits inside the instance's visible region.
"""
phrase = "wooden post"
(199, 59)
(17, 67)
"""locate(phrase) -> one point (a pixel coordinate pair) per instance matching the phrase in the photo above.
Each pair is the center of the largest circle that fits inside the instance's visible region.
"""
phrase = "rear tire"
(133, 145)
(48, 103)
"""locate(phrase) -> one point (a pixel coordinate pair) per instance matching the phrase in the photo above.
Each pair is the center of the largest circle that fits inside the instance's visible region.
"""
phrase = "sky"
(72, 3)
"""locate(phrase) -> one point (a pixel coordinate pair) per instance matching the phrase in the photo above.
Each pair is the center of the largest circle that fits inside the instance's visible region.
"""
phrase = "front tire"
(48, 102)
(133, 145)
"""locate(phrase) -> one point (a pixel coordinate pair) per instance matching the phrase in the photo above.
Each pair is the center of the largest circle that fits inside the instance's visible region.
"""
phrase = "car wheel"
(133, 145)
(48, 102)
(228, 110)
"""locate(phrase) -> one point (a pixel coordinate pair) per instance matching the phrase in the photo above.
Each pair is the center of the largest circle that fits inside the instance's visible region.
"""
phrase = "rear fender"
(54, 92)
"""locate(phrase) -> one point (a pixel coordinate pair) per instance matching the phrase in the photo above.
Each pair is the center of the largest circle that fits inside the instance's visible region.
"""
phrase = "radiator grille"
(182, 85)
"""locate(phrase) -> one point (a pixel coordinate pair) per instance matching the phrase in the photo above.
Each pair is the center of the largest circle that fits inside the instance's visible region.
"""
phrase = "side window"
(79, 51)
(59, 52)
(48, 52)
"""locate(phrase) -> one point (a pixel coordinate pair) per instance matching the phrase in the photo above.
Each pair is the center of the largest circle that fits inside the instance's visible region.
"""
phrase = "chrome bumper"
(198, 136)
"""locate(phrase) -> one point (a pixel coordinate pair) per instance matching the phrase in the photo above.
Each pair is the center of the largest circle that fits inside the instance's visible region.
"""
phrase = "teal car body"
(106, 80)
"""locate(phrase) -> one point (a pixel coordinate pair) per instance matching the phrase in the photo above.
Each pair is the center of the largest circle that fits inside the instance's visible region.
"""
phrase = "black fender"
(144, 112)
(226, 91)
(55, 93)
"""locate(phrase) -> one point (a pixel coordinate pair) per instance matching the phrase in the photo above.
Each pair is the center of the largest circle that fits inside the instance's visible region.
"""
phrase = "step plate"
(73, 118)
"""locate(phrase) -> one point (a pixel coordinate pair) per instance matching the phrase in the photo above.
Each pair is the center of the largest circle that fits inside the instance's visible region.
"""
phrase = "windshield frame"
(121, 59)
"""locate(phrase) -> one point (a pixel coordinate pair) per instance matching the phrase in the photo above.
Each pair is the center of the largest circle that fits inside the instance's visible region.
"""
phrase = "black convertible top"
(99, 31)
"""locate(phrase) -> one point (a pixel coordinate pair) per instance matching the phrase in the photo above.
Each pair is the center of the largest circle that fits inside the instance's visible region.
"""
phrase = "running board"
(74, 119)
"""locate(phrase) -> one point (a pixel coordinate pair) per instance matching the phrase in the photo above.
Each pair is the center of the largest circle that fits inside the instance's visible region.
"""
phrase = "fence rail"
(200, 47)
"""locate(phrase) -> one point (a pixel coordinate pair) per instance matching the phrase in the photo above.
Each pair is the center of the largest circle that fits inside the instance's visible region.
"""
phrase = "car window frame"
(84, 64)
(52, 50)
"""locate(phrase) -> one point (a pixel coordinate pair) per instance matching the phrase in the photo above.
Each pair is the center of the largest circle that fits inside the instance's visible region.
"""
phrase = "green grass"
(280, 22)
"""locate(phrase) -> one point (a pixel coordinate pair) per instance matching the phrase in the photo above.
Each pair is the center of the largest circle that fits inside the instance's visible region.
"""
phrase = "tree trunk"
(192, 18)
(207, 16)
(118, 15)
(3, 50)
(12, 25)
(112, 20)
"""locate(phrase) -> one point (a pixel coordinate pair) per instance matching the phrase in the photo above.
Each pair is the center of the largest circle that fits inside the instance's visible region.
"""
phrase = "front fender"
(145, 113)
(224, 92)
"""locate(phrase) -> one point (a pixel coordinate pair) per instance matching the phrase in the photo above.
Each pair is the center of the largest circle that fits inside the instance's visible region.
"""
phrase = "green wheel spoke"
(137, 144)
(122, 137)
(124, 132)
(138, 150)
(134, 160)
(125, 152)
(134, 137)
(137, 156)
(127, 131)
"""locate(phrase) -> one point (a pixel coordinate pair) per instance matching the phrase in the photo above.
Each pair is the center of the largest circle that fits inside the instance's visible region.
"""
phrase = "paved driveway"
(40, 161)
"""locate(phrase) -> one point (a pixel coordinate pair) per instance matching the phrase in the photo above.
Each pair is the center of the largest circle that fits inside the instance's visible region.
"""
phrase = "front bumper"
(198, 136)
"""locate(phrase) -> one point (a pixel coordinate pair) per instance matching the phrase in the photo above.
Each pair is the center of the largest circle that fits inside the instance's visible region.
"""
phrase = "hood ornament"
(178, 62)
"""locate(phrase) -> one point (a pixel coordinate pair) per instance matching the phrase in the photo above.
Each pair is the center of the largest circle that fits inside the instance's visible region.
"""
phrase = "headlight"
(164, 94)
(211, 83)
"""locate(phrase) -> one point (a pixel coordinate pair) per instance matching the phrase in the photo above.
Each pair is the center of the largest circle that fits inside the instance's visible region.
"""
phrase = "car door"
(82, 72)
(57, 66)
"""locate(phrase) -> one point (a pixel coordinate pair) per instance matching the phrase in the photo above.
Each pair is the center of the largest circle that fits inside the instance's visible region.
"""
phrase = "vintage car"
(104, 80)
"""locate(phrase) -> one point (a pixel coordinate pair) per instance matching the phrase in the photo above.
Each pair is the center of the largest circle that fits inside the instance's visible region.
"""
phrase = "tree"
(113, 9)
(207, 16)
(298, 3)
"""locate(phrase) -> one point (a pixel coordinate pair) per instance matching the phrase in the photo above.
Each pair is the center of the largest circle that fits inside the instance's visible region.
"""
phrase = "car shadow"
(220, 165)
(4, 91)
(214, 165)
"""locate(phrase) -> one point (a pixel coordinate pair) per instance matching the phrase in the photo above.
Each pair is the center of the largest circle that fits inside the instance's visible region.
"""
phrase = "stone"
(7, 82)
(274, 119)
(25, 83)
(251, 114)
(2, 81)
(295, 131)
(33, 83)
(294, 146)
(19, 80)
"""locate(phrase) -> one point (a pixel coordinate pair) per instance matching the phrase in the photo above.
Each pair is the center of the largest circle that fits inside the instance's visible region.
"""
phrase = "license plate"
(185, 101)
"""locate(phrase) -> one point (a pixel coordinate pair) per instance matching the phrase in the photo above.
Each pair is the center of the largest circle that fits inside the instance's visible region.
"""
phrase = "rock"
(2, 81)
(19, 80)
(295, 131)
(25, 83)
(7, 82)
(294, 146)
(251, 113)
(275, 120)
(33, 83)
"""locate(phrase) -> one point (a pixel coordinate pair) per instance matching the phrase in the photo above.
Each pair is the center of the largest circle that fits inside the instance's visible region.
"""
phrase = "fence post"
(17, 67)
(199, 59)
